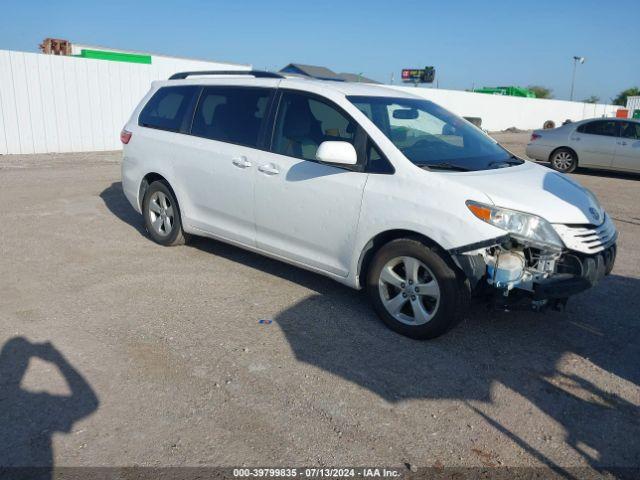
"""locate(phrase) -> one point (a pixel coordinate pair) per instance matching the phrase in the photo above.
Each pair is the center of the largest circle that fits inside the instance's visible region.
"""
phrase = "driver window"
(304, 123)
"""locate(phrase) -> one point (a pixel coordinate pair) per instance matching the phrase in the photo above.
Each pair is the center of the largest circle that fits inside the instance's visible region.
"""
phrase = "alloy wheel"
(562, 160)
(161, 213)
(409, 291)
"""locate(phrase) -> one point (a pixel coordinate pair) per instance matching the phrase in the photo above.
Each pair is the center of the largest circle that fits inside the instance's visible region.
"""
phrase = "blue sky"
(470, 43)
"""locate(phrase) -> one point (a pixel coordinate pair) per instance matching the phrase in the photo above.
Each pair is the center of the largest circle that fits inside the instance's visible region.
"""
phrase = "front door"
(307, 211)
(596, 142)
(628, 151)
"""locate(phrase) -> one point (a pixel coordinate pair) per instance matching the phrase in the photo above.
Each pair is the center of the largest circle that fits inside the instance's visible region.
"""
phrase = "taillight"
(534, 136)
(125, 136)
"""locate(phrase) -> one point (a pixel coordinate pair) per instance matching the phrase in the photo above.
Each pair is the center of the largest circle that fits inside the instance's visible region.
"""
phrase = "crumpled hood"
(536, 189)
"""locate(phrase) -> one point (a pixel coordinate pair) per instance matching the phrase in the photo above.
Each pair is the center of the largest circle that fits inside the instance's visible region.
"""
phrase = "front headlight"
(522, 226)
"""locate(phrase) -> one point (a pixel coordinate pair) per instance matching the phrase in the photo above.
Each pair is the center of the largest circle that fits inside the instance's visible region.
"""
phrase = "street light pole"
(576, 59)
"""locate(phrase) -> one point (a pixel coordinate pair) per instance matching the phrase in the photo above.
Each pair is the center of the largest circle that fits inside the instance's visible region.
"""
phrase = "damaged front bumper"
(512, 268)
(584, 272)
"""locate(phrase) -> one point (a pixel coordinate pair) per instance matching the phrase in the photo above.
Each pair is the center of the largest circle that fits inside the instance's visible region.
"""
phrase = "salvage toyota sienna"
(371, 186)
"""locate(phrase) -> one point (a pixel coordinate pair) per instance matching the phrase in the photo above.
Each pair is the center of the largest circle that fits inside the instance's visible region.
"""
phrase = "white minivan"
(371, 186)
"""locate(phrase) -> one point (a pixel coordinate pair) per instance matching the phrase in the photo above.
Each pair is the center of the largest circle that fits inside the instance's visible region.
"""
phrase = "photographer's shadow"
(28, 420)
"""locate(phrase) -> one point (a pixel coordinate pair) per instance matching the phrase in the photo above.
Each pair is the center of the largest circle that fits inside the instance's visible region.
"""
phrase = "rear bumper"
(130, 184)
(578, 273)
(538, 152)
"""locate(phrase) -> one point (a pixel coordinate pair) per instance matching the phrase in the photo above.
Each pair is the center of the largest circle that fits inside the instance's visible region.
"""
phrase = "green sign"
(115, 56)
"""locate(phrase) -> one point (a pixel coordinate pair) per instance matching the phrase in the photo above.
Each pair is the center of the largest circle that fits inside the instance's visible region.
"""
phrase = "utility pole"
(576, 60)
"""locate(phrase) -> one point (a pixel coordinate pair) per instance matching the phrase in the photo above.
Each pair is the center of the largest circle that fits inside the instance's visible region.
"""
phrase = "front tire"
(162, 215)
(413, 289)
(564, 160)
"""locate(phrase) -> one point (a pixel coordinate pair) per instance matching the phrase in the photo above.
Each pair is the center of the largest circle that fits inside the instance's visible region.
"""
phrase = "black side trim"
(477, 245)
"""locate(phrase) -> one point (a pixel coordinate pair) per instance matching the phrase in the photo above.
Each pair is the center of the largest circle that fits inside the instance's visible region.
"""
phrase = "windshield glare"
(430, 136)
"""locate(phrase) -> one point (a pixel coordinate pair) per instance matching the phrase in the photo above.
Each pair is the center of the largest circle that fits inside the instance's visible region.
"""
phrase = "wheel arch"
(148, 179)
(565, 147)
(383, 238)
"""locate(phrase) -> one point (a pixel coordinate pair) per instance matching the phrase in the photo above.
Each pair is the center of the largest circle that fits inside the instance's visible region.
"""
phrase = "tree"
(592, 99)
(541, 92)
(621, 99)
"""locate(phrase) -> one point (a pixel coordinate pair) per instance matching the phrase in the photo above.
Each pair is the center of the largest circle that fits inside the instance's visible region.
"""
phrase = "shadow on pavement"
(593, 172)
(28, 420)
(336, 330)
(114, 199)
(581, 171)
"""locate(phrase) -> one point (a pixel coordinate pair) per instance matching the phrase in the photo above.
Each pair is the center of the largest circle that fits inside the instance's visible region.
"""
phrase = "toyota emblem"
(594, 213)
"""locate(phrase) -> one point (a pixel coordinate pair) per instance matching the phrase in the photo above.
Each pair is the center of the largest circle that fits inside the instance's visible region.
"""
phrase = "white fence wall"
(54, 103)
(499, 112)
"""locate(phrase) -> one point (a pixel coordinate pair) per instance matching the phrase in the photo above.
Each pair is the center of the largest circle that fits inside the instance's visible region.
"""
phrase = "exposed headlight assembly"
(522, 226)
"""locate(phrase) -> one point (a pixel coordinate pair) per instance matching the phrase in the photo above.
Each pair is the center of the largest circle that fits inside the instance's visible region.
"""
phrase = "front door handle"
(269, 169)
(241, 162)
(622, 143)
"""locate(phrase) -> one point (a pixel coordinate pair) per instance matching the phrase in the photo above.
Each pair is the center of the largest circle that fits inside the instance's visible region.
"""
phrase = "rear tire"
(162, 215)
(564, 160)
(413, 289)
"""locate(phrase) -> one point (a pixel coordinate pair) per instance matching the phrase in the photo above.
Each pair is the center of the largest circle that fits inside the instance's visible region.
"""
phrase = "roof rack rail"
(255, 73)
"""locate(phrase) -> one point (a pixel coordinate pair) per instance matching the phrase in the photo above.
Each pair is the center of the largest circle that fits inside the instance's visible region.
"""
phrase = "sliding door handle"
(269, 169)
(241, 162)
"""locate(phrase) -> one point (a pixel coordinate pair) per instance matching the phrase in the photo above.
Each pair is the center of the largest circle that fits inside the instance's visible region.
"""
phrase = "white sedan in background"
(607, 143)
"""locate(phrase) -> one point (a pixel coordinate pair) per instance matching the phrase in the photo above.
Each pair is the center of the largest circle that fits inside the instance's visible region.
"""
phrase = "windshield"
(430, 136)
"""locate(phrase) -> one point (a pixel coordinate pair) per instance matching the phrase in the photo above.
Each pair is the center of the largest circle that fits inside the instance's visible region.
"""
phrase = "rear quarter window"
(170, 108)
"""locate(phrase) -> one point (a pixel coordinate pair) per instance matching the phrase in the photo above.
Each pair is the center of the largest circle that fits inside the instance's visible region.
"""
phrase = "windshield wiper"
(443, 166)
(512, 160)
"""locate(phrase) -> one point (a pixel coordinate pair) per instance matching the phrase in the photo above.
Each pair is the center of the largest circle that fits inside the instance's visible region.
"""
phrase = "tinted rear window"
(169, 109)
(231, 114)
(607, 128)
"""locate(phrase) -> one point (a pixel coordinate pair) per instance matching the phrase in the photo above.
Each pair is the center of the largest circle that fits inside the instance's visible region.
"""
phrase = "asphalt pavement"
(120, 352)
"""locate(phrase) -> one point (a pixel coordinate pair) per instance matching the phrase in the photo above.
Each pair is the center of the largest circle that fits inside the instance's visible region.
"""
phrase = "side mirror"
(341, 153)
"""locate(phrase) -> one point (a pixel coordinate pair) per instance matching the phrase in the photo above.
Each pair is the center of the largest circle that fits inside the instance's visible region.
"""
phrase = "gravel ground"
(166, 361)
